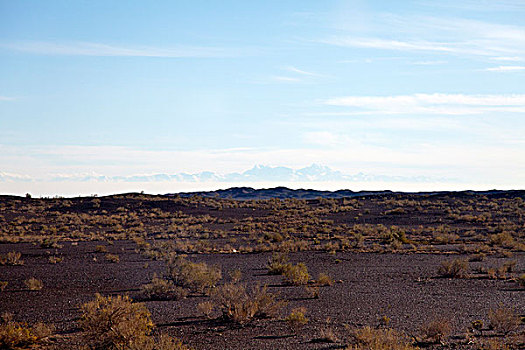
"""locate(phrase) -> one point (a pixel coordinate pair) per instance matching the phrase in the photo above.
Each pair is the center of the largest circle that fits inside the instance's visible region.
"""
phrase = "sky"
(91, 90)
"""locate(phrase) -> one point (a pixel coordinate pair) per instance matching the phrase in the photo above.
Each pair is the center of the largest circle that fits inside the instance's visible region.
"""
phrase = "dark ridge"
(249, 193)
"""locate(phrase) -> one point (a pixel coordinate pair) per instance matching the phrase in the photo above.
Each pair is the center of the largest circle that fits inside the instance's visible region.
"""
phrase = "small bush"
(297, 317)
(161, 289)
(456, 268)
(205, 308)
(235, 276)
(197, 276)
(436, 330)
(11, 258)
(33, 284)
(326, 335)
(368, 338)
(101, 249)
(296, 274)
(278, 264)
(165, 342)
(113, 258)
(239, 305)
(16, 335)
(324, 280)
(503, 320)
(115, 323)
(312, 291)
(54, 259)
(50, 243)
(521, 280)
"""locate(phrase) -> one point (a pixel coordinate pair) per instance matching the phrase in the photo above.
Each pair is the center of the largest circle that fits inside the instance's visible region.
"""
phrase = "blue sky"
(434, 89)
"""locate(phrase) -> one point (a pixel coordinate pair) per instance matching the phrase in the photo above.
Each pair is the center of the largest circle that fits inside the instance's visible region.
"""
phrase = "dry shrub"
(235, 276)
(114, 258)
(368, 338)
(521, 280)
(297, 317)
(161, 289)
(33, 284)
(267, 304)
(115, 323)
(54, 260)
(324, 280)
(198, 277)
(278, 263)
(50, 243)
(239, 305)
(478, 257)
(101, 249)
(503, 320)
(296, 274)
(205, 308)
(16, 335)
(436, 330)
(3, 285)
(326, 335)
(163, 342)
(11, 258)
(42, 331)
(504, 239)
(456, 268)
(494, 344)
(312, 291)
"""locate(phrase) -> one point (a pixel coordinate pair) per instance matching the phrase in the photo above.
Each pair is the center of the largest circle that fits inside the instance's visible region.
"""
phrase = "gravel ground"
(403, 287)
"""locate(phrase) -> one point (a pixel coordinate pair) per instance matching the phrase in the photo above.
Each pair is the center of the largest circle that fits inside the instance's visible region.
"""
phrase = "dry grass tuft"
(11, 258)
(297, 317)
(435, 330)
(115, 323)
(198, 277)
(34, 284)
(504, 320)
(368, 338)
(240, 305)
(296, 275)
(161, 289)
(456, 268)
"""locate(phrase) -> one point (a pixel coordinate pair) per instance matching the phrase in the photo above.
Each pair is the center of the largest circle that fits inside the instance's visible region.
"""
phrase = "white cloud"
(506, 69)
(325, 138)
(468, 48)
(509, 59)
(456, 36)
(447, 104)
(101, 49)
(6, 98)
(301, 72)
(429, 63)
(285, 79)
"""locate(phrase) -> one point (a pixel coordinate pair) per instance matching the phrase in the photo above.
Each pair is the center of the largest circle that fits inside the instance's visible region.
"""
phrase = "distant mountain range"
(259, 173)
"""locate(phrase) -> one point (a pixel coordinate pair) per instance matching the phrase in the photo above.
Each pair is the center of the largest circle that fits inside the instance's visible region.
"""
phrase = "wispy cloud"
(509, 59)
(456, 36)
(295, 75)
(447, 104)
(285, 79)
(478, 5)
(102, 49)
(6, 98)
(301, 72)
(506, 69)
(429, 63)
